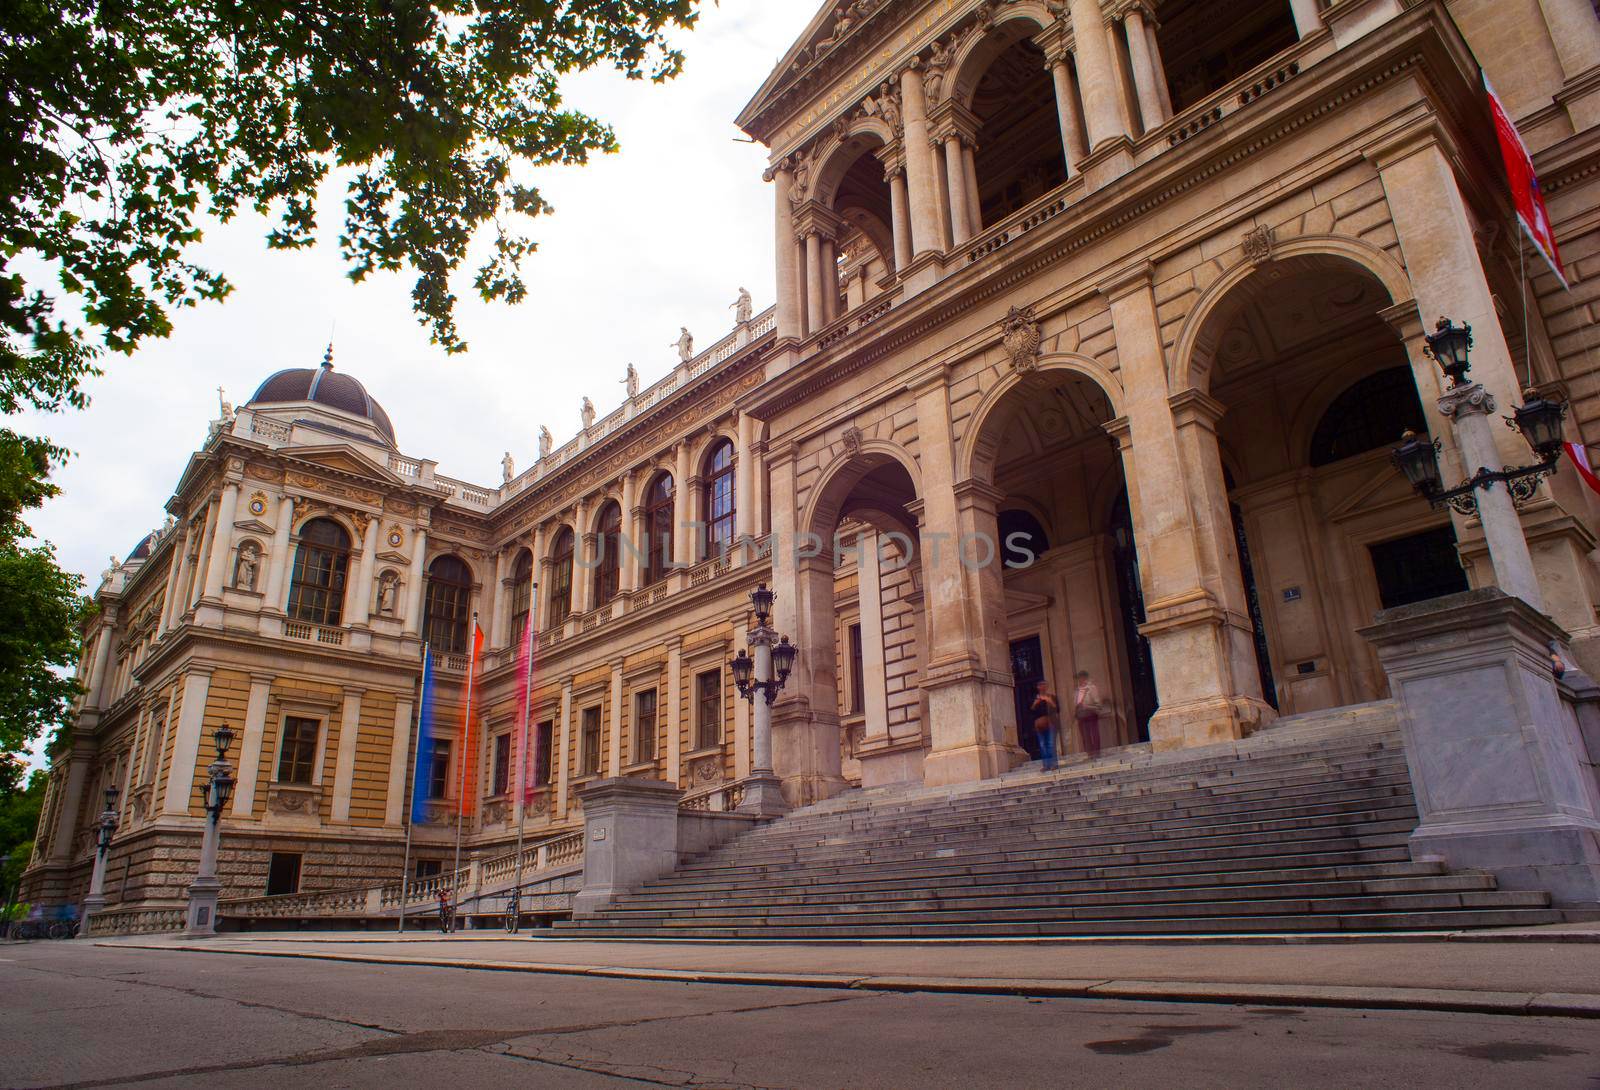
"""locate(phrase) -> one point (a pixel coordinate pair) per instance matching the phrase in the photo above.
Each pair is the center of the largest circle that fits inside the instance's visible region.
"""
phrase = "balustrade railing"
(299, 630)
(721, 799)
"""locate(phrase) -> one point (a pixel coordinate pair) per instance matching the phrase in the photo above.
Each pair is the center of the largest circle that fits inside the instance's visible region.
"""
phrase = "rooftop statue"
(742, 307)
(546, 441)
(631, 381)
(684, 344)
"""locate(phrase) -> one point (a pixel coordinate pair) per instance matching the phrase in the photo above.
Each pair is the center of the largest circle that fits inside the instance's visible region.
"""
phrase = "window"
(544, 744)
(316, 594)
(297, 755)
(719, 499)
(591, 742)
(283, 873)
(857, 680)
(561, 577)
(1417, 568)
(502, 764)
(439, 770)
(427, 868)
(608, 568)
(644, 726)
(658, 528)
(1368, 416)
(521, 595)
(449, 607)
(708, 713)
(155, 739)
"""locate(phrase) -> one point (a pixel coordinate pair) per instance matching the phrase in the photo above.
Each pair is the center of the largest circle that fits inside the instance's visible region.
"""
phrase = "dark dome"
(141, 551)
(327, 387)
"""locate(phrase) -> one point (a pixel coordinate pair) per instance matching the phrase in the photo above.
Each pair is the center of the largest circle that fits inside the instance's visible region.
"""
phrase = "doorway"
(1418, 567)
(1027, 670)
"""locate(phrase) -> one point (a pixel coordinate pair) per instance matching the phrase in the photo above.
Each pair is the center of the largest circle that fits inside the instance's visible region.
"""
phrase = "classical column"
(969, 167)
(1201, 639)
(1121, 64)
(941, 193)
(400, 759)
(1575, 30)
(816, 301)
(499, 621)
(683, 532)
(1307, 16)
(830, 280)
(222, 541)
(186, 743)
(583, 557)
(540, 577)
(282, 549)
(1163, 89)
(614, 756)
(344, 769)
(899, 216)
(743, 475)
(418, 575)
(956, 184)
(874, 680)
(674, 713)
(67, 817)
(358, 600)
(100, 691)
(631, 551)
(255, 728)
(788, 304)
(921, 181)
(169, 606)
(1073, 142)
(563, 747)
(802, 267)
(1097, 76)
(1144, 68)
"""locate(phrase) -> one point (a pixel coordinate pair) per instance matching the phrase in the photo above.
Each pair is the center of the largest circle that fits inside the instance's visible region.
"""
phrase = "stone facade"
(1135, 289)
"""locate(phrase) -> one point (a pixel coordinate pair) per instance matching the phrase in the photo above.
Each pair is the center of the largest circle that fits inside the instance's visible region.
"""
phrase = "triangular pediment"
(821, 37)
(253, 526)
(346, 460)
(1382, 486)
(393, 558)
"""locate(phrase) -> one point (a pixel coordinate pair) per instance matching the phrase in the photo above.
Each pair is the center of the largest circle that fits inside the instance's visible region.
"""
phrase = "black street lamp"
(106, 828)
(1537, 419)
(205, 889)
(761, 672)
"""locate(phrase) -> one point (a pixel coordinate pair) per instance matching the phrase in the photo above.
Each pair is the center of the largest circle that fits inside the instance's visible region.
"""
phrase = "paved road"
(75, 1015)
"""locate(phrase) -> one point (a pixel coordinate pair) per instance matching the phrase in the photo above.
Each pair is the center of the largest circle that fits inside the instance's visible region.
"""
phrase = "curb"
(1541, 1004)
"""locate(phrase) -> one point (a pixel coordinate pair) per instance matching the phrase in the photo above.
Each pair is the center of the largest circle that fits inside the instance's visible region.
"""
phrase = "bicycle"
(513, 913)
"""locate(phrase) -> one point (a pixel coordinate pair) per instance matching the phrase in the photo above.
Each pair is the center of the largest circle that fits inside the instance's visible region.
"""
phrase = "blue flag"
(419, 782)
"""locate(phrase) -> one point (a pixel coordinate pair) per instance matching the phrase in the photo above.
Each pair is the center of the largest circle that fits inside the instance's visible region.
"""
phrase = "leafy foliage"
(40, 610)
(125, 122)
(20, 808)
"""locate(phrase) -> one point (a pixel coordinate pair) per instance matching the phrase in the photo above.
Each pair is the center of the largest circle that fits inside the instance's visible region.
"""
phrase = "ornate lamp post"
(759, 677)
(204, 890)
(96, 901)
(1468, 405)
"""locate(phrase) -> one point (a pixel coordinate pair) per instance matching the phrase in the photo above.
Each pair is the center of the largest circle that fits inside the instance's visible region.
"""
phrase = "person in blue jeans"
(1046, 722)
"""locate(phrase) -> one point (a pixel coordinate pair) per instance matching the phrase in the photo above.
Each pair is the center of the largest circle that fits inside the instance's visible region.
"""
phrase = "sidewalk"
(1536, 971)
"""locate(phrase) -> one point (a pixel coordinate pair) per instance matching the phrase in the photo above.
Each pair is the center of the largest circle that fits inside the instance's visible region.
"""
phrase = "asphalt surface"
(79, 1015)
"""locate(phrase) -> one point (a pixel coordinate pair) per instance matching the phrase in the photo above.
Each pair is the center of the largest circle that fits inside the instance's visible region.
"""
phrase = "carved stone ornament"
(1258, 243)
(852, 440)
(258, 503)
(495, 813)
(540, 804)
(1021, 337)
(1469, 397)
(706, 770)
(294, 799)
(397, 537)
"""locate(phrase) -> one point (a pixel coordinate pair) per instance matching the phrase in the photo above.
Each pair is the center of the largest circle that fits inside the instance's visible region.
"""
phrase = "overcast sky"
(659, 235)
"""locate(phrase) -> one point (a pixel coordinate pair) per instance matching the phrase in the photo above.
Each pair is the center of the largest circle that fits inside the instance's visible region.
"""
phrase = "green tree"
(20, 808)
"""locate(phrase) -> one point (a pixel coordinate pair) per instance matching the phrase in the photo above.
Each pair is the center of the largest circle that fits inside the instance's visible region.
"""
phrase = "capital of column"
(1130, 279)
(1120, 429)
(973, 494)
(1405, 319)
(1465, 400)
(950, 118)
(1194, 407)
(815, 218)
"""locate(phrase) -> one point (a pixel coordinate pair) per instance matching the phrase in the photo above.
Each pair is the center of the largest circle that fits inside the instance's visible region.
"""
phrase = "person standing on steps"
(1046, 722)
(446, 911)
(1086, 710)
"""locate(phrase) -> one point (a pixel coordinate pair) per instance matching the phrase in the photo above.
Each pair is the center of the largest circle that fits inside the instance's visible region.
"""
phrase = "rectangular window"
(427, 868)
(283, 873)
(644, 726)
(708, 713)
(439, 770)
(299, 750)
(544, 766)
(591, 742)
(154, 740)
(502, 764)
(857, 678)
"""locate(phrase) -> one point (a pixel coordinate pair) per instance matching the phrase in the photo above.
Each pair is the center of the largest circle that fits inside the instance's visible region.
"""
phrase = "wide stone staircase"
(1300, 828)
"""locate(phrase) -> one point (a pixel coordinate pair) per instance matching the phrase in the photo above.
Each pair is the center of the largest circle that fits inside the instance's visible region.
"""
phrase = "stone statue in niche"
(388, 592)
(508, 468)
(631, 381)
(684, 344)
(587, 412)
(743, 307)
(246, 567)
(546, 441)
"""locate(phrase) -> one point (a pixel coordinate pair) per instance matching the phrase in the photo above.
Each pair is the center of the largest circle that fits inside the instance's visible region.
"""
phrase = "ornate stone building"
(1095, 323)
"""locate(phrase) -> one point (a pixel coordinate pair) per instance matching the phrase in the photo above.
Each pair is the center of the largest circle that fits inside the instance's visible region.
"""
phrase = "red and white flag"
(1525, 191)
(1579, 457)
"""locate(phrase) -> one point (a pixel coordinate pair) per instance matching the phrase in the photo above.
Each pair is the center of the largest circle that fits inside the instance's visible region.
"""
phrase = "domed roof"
(327, 387)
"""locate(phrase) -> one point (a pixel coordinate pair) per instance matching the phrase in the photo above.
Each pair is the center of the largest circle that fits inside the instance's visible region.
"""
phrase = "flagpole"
(522, 764)
(416, 747)
(466, 737)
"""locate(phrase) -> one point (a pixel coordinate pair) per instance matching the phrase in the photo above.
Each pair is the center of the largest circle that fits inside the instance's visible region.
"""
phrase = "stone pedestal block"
(763, 797)
(1497, 759)
(201, 917)
(630, 836)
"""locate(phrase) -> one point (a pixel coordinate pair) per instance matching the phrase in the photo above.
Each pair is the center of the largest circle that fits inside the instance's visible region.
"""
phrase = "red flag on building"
(1525, 191)
(467, 759)
(1579, 457)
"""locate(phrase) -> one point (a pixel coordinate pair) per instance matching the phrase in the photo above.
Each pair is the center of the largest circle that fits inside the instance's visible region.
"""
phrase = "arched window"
(521, 595)
(608, 531)
(449, 605)
(321, 564)
(719, 499)
(561, 577)
(1371, 414)
(658, 528)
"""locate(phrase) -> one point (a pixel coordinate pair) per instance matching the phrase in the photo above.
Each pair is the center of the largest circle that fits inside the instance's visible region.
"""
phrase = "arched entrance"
(1316, 388)
(1072, 606)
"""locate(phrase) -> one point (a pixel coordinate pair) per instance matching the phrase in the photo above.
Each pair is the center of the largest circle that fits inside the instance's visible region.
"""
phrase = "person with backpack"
(1086, 709)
